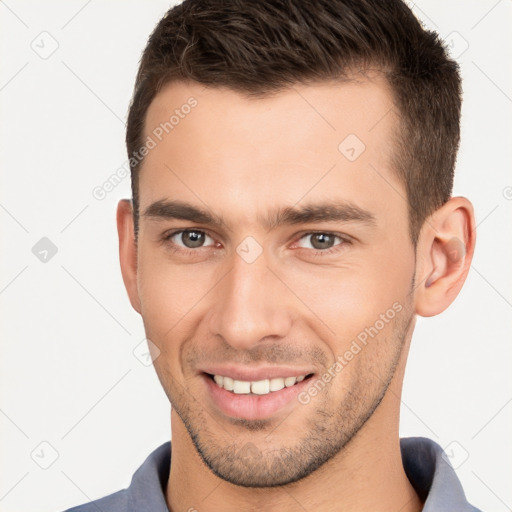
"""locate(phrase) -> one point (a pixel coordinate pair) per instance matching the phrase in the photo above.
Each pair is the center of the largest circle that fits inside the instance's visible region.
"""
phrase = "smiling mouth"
(258, 387)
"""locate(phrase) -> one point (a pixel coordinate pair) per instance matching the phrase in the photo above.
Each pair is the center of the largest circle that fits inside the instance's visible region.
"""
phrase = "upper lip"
(256, 373)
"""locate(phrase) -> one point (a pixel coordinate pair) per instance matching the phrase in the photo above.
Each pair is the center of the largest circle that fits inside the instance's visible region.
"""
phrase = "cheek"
(347, 300)
(170, 293)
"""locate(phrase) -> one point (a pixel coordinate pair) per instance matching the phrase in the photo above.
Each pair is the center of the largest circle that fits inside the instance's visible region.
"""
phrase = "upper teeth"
(258, 387)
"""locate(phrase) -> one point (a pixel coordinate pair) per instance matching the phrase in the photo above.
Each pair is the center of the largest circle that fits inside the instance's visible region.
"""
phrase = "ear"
(128, 251)
(443, 256)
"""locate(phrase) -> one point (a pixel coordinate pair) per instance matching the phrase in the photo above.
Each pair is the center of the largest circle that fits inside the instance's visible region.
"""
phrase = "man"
(292, 166)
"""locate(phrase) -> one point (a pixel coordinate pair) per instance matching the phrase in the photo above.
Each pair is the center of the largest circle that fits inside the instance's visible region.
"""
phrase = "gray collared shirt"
(428, 470)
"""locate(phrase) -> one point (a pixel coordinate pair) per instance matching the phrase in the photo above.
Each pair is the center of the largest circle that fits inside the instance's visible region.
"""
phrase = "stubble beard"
(325, 432)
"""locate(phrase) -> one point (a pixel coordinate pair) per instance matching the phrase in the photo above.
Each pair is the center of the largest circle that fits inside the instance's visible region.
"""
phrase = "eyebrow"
(336, 211)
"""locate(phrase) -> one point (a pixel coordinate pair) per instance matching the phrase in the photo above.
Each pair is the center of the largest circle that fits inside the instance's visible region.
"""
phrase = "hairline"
(350, 74)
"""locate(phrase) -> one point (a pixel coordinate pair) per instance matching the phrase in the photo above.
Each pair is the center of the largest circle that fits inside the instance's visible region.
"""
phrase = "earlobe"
(128, 251)
(444, 253)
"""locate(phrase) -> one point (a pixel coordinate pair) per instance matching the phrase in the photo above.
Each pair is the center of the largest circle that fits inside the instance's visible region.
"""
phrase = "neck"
(367, 474)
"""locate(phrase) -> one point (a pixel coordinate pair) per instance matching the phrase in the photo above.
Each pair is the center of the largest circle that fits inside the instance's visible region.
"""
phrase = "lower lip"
(252, 407)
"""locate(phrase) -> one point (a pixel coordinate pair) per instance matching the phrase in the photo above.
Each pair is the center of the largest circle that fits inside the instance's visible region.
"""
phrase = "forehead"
(232, 153)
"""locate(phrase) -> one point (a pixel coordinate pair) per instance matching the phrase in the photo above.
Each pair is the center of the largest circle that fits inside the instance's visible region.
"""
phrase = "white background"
(68, 373)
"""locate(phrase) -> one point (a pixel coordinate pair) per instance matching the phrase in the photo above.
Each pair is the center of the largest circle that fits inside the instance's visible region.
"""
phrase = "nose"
(250, 304)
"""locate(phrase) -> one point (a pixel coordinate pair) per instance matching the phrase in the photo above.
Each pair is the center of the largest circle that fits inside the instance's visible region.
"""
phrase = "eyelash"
(166, 237)
(344, 240)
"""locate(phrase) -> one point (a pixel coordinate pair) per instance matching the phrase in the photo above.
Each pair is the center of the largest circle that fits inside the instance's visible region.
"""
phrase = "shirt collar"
(432, 476)
(424, 461)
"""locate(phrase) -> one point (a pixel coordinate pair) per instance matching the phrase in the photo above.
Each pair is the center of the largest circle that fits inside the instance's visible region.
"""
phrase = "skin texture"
(241, 160)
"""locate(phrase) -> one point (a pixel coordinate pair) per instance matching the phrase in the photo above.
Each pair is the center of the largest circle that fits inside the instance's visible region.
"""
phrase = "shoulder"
(431, 474)
(116, 502)
(146, 491)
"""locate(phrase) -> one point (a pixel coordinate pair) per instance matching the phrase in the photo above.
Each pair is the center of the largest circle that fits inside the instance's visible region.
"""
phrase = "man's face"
(304, 256)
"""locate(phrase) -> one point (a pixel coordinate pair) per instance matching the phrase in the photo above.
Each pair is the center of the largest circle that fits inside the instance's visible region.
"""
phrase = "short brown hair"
(261, 47)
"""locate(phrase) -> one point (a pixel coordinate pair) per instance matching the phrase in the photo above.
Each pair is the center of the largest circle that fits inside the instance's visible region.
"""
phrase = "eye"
(190, 239)
(319, 241)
